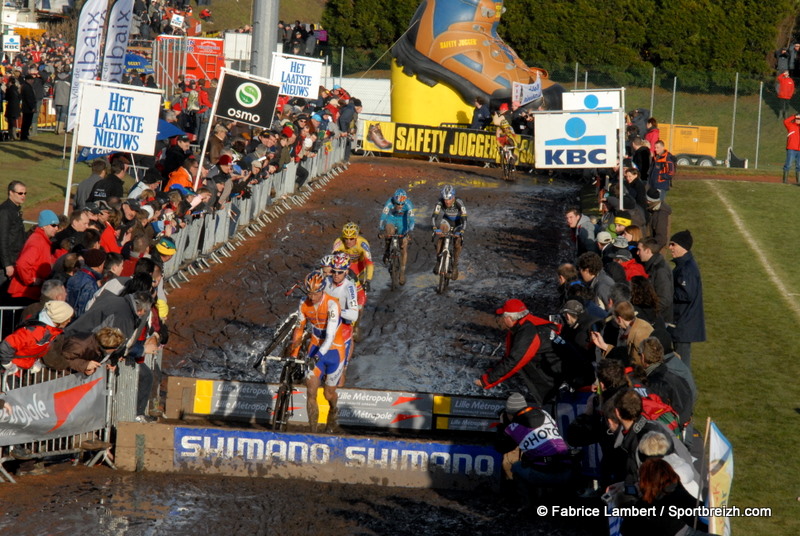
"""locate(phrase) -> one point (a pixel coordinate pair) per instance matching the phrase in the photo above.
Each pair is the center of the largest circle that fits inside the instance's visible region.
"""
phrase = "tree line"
(703, 42)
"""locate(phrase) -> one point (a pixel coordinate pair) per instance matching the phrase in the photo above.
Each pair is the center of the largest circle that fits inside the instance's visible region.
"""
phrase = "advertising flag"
(522, 94)
(247, 99)
(297, 75)
(118, 119)
(119, 29)
(576, 140)
(91, 22)
(720, 477)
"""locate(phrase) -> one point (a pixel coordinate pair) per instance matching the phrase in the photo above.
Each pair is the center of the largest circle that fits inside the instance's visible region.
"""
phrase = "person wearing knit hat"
(59, 312)
(528, 347)
(24, 348)
(688, 314)
(165, 247)
(682, 239)
(524, 459)
(35, 262)
(515, 403)
(622, 219)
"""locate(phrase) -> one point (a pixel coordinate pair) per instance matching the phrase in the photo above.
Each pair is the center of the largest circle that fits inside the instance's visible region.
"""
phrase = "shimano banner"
(64, 407)
(91, 22)
(247, 99)
(119, 28)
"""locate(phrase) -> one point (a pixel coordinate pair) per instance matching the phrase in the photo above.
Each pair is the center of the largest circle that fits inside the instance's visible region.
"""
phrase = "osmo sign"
(576, 139)
(246, 99)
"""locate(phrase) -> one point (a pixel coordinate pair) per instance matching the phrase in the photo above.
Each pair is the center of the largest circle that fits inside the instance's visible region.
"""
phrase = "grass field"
(746, 370)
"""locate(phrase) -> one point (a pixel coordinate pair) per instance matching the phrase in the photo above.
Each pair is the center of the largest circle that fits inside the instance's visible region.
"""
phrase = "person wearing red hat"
(529, 352)
(504, 134)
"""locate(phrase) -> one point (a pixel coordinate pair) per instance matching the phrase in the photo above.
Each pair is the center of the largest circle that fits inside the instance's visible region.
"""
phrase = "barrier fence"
(51, 413)
(214, 236)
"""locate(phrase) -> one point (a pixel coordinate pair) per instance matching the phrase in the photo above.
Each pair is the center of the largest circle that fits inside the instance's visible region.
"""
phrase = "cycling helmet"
(399, 197)
(327, 260)
(503, 108)
(350, 230)
(448, 192)
(314, 281)
(340, 261)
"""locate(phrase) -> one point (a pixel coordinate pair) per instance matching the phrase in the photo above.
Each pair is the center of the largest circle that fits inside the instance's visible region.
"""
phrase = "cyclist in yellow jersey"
(504, 134)
(357, 247)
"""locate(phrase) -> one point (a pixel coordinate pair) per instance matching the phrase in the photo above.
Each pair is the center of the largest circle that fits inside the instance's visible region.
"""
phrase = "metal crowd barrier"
(212, 237)
(122, 389)
(96, 441)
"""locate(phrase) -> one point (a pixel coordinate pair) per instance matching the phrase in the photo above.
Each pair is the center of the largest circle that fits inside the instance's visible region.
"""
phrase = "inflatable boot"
(455, 42)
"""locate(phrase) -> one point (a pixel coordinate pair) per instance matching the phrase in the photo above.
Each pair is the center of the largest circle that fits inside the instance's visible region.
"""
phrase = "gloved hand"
(367, 286)
(459, 233)
(313, 353)
(10, 368)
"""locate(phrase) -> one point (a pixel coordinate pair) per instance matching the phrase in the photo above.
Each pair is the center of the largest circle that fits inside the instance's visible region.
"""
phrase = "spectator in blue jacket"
(689, 318)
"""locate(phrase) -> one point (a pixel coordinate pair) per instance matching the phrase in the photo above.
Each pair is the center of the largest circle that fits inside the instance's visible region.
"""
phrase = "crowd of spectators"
(104, 262)
(624, 333)
(39, 70)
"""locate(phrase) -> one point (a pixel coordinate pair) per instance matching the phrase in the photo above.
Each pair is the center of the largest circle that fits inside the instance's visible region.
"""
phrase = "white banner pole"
(74, 152)
(621, 153)
(208, 129)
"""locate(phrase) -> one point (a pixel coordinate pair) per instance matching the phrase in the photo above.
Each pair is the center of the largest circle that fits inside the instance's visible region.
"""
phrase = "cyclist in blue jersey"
(397, 219)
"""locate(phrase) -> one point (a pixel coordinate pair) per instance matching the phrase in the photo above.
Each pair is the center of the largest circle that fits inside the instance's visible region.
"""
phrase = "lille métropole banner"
(247, 99)
(117, 119)
(298, 76)
(91, 22)
(576, 140)
(119, 28)
(442, 142)
(64, 407)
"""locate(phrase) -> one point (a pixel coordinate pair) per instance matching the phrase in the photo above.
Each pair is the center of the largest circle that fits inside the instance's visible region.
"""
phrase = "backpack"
(655, 409)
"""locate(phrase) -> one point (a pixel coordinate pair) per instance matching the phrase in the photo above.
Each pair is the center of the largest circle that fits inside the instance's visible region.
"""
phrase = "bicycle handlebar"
(298, 360)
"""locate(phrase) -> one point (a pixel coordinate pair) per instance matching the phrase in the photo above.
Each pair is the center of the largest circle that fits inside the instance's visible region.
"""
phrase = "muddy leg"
(312, 407)
(333, 413)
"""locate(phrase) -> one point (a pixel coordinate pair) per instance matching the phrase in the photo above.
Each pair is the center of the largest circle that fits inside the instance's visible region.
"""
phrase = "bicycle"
(444, 261)
(392, 260)
(507, 160)
(293, 370)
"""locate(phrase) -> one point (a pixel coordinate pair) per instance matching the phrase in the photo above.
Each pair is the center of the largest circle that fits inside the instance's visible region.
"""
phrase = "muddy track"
(413, 339)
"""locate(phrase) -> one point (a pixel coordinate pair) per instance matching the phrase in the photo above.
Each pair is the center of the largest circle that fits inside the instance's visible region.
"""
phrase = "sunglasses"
(339, 271)
(21, 193)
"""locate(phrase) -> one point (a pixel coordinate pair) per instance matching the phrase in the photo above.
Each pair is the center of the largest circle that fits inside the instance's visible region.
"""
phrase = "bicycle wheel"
(504, 165)
(394, 269)
(444, 277)
(279, 411)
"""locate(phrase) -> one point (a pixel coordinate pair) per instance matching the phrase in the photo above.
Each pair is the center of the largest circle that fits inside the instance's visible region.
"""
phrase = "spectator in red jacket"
(29, 343)
(35, 261)
(792, 125)
(785, 89)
